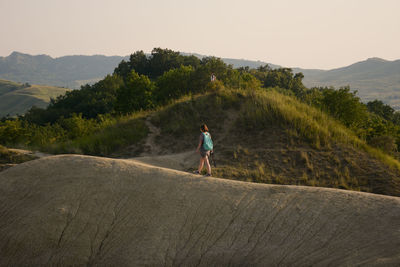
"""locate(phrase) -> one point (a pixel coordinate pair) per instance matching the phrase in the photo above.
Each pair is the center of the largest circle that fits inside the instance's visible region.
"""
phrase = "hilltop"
(285, 145)
(17, 98)
(373, 78)
(267, 137)
(267, 126)
(262, 137)
(79, 210)
(77, 70)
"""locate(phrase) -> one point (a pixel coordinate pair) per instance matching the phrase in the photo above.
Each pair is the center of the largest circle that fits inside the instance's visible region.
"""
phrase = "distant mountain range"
(68, 71)
(373, 78)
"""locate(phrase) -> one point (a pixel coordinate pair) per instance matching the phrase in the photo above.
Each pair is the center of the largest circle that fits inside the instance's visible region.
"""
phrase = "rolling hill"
(16, 98)
(79, 210)
(259, 136)
(374, 78)
(67, 71)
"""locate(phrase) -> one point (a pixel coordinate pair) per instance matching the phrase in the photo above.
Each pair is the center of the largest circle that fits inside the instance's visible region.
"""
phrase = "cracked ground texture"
(90, 211)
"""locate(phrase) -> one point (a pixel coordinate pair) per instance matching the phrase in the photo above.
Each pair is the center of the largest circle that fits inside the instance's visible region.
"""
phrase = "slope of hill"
(267, 137)
(18, 98)
(67, 71)
(260, 136)
(374, 78)
(11, 157)
(77, 210)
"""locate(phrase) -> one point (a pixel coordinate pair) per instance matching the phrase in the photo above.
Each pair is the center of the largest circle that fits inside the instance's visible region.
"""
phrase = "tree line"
(145, 82)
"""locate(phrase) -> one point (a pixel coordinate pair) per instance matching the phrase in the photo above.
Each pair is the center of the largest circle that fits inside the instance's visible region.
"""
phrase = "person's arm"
(212, 151)
(200, 143)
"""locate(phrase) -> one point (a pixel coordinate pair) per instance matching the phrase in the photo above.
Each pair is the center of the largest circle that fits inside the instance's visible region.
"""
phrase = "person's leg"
(201, 164)
(208, 165)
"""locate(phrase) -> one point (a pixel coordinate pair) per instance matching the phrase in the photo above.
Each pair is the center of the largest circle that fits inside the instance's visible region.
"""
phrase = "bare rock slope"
(79, 210)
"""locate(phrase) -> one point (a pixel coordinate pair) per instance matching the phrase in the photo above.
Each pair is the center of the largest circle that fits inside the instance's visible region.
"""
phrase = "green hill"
(261, 136)
(374, 78)
(16, 98)
(266, 125)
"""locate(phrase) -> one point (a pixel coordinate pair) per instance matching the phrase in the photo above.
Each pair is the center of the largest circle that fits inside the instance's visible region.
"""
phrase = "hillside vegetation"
(267, 126)
(374, 78)
(16, 98)
(264, 136)
(9, 158)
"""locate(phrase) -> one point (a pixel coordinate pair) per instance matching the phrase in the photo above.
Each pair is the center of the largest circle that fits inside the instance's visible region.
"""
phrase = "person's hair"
(204, 128)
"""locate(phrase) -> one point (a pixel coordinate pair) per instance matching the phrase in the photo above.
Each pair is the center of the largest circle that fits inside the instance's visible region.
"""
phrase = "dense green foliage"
(149, 82)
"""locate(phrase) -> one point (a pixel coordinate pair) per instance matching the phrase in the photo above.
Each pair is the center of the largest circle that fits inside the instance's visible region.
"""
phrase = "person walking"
(204, 148)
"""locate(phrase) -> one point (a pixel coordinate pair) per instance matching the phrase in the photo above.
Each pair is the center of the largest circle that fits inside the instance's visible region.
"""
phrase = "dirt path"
(152, 153)
(150, 146)
(180, 161)
(227, 125)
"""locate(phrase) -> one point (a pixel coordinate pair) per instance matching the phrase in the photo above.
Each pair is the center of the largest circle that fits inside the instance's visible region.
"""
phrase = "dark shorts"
(204, 153)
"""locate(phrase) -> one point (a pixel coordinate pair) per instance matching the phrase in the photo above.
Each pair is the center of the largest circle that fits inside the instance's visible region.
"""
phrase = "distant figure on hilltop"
(213, 77)
(204, 149)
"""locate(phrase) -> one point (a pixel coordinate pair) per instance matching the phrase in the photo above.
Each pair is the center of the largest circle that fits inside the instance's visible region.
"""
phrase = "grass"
(112, 135)
(8, 86)
(259, 136)
(8, 157)
(265, 108)
(17, 99)
(277, 139)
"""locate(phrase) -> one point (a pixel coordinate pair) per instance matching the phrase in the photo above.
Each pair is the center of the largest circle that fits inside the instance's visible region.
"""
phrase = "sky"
(321, 34)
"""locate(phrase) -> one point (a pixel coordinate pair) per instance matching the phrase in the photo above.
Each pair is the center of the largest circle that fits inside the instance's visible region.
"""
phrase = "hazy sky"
(294, 33)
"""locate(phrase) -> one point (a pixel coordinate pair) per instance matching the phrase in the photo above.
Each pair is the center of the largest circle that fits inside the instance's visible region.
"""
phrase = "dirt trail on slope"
(78, 210)
(150, 146)
(151, 154)
(179, 161)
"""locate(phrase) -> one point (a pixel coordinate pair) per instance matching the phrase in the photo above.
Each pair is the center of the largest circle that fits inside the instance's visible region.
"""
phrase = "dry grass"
(277, 139)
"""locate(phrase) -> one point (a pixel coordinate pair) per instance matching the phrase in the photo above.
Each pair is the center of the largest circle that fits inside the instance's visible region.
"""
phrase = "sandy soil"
(78, 210)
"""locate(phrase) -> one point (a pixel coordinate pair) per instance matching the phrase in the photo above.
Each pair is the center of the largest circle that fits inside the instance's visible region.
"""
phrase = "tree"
(173, 84)
(163, 60)
(344, 105)
(248, 81)
(209, 65)
(379, 108)
(135, 94)
(279, 78)
(282, 78)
